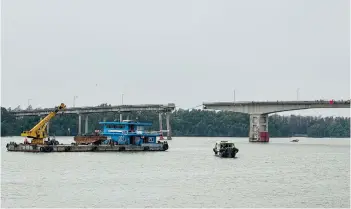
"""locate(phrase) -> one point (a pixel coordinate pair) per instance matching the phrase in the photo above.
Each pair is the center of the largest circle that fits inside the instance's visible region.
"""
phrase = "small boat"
(225, 149)
(295, 140)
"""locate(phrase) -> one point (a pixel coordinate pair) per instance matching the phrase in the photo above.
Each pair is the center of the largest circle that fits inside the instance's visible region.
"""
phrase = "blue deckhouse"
(128, 132)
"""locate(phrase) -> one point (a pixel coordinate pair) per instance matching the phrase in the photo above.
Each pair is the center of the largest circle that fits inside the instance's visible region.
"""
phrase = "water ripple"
(313, 173)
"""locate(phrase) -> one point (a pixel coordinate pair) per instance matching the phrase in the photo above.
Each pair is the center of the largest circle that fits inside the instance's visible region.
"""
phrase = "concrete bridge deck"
(161, 109)
(268, 107)
(310, 102)
(85, 110)
(259, 111)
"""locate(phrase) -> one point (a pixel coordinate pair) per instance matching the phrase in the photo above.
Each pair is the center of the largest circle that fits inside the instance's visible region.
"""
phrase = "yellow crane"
(39, 131)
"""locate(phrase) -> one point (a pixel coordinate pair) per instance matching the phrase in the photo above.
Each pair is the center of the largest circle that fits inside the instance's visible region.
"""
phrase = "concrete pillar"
(120, 117)
(48, 128)
(127, 117)
(41, 118)
(86, 124)
(258, 128)
(169, 133)
(160, 120)
(79, 124)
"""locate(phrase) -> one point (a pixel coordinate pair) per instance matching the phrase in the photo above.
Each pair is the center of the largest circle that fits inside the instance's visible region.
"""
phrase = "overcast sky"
(181, 51)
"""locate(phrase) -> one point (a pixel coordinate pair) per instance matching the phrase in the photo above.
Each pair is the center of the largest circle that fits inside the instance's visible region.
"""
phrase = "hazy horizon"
(182, 52)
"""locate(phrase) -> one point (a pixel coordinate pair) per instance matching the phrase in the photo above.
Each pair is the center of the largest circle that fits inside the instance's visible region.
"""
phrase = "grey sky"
(182, 51)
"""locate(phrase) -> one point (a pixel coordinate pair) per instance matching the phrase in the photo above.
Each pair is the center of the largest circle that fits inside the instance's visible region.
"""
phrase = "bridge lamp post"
(74, 100)
(297, 94)
(29, 101)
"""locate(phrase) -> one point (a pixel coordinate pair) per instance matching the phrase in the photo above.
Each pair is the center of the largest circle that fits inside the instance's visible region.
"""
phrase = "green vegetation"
(190, 123)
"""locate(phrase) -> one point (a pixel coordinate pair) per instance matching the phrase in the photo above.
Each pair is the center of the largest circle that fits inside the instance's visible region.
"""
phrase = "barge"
(114, 137)
(14, 147)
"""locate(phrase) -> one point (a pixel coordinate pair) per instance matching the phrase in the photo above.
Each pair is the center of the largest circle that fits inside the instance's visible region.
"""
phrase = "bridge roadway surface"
(85, 110)
(267, 107)
(249, 107)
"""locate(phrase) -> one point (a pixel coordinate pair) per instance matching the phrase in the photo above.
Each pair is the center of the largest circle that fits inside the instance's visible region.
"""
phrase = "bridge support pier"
(160, 120)
(169, 133)
(79, 124)
(120, 117)
(48, 128)
(86, 124)
(160, 124)
(258, 128)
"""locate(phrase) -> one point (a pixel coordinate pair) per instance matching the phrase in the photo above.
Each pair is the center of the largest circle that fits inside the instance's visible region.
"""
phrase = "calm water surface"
(310, 173)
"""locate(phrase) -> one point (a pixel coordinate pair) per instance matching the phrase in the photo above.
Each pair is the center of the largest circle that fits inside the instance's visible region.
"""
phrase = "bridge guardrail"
(121, 108)
(280, 102)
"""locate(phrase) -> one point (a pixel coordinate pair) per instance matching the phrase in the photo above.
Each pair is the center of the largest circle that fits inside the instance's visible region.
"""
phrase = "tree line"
(188, 123)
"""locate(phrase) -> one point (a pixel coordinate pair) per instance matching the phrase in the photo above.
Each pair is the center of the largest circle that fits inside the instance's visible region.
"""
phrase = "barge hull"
(85, 148)
(89, 139)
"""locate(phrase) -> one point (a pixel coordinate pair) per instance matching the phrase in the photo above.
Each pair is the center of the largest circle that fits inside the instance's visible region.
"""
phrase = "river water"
(310, 173)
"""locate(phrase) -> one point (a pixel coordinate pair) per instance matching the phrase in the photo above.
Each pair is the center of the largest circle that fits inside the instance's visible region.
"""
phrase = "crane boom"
(38, 132)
